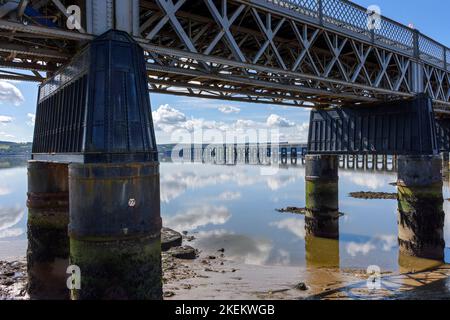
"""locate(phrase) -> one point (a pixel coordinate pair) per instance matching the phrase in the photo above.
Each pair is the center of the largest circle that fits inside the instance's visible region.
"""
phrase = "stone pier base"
(48, 241)
(322, 204)
(420, 207)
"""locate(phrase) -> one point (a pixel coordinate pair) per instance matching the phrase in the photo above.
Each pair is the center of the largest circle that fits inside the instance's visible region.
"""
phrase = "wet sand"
(224, 279)
(212, 276)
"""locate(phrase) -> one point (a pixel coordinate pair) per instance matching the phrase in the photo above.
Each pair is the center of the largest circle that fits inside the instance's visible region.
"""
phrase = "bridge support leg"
(420, 207)
(48, 242)
(322, 218)
(115, 230)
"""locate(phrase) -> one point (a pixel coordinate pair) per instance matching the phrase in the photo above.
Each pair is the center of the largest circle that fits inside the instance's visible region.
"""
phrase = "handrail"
(350, 17)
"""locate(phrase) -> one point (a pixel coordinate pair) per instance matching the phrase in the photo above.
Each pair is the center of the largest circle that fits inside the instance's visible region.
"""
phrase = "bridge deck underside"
(257, 51)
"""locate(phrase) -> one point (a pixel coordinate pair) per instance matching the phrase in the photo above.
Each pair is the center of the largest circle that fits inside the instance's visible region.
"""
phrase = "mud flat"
(13, 280)
(190, 273)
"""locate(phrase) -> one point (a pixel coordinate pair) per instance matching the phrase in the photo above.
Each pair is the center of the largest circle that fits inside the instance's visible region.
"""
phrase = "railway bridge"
(375, 87)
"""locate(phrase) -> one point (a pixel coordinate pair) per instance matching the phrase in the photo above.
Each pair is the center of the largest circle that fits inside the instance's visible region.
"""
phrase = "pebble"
(301, 286)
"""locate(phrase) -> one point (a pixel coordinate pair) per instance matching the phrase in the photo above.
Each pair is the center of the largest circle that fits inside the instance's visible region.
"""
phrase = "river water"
(234, 207)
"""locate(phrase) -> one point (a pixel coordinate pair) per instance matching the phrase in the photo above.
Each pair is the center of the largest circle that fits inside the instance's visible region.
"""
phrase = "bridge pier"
(101, 124)
(294, 152)
(420, 207)
(350, 161)
(48, 242)
(322, 207)
(114, 230)
(385, 162)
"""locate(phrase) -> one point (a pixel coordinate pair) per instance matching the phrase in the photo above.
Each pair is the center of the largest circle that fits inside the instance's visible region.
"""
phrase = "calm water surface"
(234, 207)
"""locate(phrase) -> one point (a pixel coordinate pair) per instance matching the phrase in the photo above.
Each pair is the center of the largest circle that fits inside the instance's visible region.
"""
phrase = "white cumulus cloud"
(6, 135)
(169, 120)
(31, 119)
(245, 124)
(276, 121)
(229, 109)
(5, 119)
(167, 114)
(230, 196)
(9, 93)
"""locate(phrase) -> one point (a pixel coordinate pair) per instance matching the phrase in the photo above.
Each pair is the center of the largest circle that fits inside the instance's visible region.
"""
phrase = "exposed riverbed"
(266, 254)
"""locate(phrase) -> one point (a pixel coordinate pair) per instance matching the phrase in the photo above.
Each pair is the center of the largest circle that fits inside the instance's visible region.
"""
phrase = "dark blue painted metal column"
(95, 115)
(115, 218)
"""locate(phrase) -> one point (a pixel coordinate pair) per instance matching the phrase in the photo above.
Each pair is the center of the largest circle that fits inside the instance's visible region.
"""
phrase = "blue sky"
(18, 99)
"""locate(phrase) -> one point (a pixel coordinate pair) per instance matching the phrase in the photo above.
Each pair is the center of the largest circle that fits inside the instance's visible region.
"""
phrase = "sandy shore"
(211, 275)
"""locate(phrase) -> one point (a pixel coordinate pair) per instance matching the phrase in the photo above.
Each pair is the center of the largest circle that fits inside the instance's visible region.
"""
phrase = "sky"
(173, 113)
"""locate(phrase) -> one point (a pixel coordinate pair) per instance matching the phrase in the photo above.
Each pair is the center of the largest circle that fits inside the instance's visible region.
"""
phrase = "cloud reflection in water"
(9, 217)
(240, 248)
(197, 217)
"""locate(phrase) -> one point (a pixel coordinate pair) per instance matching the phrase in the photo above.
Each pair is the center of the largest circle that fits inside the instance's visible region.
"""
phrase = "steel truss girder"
(330, 67)
(258, 49)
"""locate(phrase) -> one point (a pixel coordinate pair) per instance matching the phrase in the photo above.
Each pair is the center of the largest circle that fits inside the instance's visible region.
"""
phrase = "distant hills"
(15, 149)
(24, 149)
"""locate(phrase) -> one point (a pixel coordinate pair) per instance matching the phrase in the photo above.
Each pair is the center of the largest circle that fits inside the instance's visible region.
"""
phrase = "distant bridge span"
(297, 52)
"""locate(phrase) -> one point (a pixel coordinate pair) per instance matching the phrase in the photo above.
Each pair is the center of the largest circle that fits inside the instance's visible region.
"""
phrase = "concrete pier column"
(322, 217)
(114, 198)
(48, 241)
(115, 229)
(420, 207)
(360, 162)
(366, 162)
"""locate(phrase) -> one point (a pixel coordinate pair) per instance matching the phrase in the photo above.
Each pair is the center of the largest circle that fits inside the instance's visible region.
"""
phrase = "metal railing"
(350, 18)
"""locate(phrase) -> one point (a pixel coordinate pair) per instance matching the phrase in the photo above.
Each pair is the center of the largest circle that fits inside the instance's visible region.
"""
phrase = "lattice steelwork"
(291, 52)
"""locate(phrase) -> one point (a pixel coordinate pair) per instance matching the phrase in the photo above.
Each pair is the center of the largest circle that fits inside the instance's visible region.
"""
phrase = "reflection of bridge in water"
(236, 153)
(276, 154)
